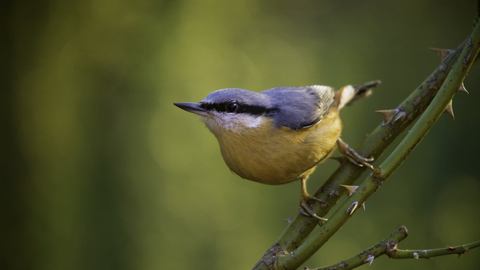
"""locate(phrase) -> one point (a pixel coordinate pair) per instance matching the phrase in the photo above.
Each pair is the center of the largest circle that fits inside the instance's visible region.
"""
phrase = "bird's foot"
(353, 156)
(305, 208)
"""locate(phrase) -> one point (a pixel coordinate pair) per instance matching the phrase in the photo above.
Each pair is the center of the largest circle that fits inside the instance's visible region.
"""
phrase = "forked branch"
(297, 243)
(388, 246)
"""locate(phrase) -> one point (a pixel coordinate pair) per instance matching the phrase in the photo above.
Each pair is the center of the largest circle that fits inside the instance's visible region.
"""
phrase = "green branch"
(293, 247)
(388, 246)
(430, 253)
(373, 145)
(385, 246)
(455, 77)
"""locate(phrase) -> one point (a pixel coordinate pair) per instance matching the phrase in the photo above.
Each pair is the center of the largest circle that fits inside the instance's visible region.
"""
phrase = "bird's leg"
(304, 199)
(353, 156)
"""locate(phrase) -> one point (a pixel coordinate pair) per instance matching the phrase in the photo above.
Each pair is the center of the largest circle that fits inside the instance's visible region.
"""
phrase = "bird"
(281, 134)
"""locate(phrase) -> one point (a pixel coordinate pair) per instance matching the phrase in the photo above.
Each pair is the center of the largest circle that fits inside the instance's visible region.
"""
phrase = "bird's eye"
(231, 107)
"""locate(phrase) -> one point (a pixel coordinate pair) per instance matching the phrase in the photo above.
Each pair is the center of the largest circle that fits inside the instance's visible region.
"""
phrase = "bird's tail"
(348, 95)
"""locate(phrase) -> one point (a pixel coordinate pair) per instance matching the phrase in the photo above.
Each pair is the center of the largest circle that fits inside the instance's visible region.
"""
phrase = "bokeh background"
(100, 171)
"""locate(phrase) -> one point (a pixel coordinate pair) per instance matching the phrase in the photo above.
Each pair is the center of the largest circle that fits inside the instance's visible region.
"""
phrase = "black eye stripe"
(222, 107)
(231, 107)
(255, 110)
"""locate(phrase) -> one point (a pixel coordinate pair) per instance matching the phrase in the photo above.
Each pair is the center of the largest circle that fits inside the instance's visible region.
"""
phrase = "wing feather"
(300, 107)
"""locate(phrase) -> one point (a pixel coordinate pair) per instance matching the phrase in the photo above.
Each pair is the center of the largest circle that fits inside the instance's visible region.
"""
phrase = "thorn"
(391, 116)
(351, 189)
(462, 88)
(441, 52)
(363, 205)
(288, 220)
(459, 254)
(370, 259)
(450, 248)
(387, 114)
(449, 109)
(339, 159)
(415, 255)
(352, 208)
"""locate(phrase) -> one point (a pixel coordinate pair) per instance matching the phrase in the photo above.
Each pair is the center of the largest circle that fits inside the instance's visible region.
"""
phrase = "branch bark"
(297, 244)
(388, 246)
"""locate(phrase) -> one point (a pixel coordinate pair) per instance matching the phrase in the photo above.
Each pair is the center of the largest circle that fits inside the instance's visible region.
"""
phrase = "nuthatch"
(279, 135)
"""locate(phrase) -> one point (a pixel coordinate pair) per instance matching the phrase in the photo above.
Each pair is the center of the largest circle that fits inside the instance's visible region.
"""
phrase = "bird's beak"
(191, 107)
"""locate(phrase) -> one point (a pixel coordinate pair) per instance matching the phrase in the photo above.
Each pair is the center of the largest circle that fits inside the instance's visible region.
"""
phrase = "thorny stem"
(373, 145)
(388, 246)
(383, 247)
(371, 184)
(437, 107)
(430, 253)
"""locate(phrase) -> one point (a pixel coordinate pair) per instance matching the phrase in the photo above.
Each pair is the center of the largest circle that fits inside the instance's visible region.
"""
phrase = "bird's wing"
(300, 107)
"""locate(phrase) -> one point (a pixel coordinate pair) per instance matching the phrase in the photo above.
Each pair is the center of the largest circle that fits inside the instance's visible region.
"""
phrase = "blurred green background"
(100, 171)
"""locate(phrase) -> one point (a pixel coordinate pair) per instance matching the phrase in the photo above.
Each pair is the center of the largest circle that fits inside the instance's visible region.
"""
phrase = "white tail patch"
(346, 94)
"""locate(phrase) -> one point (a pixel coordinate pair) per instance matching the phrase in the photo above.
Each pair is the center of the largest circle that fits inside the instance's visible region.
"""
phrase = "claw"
(353, 156)
(304, 199)
(305, 209)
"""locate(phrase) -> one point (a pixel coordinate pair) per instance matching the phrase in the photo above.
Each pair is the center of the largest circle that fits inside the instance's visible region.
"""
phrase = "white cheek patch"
(212, 124)
(237, 123)
(220, 122)
(255, 122)
(218, 125)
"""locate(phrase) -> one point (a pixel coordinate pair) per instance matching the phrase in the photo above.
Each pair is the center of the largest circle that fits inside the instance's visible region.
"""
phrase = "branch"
(388, 246)
(430, 253)
(374, 145)
(405, 148)
(287, 253)
(371, 184)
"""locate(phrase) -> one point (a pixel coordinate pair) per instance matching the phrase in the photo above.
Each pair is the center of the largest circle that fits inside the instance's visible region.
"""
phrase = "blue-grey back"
(300, 107)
